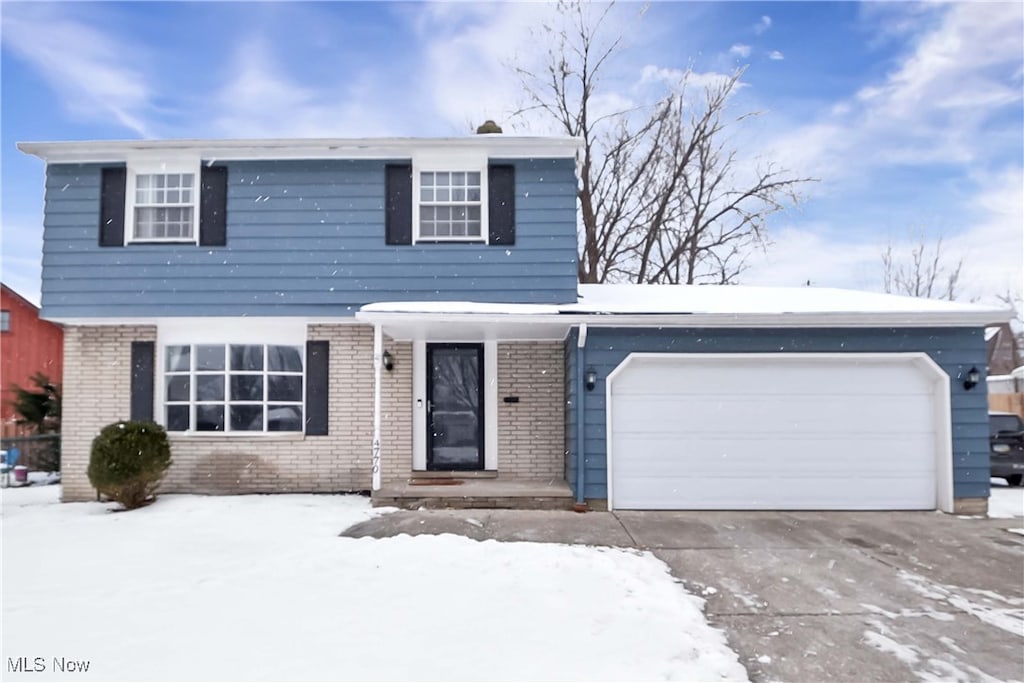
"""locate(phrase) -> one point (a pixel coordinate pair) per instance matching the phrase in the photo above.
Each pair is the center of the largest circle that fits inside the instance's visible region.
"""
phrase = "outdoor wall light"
(388, 360)
(973, 377)
(590, 379)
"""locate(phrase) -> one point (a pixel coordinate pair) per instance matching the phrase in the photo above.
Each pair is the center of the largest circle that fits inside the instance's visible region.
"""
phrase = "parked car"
(1006, 450)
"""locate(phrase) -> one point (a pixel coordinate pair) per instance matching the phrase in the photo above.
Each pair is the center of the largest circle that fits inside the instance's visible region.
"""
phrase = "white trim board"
(419, 399)
(494, 145)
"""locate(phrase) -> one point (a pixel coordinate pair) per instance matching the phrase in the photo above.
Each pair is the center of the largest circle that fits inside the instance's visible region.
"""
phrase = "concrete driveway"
(880, 596)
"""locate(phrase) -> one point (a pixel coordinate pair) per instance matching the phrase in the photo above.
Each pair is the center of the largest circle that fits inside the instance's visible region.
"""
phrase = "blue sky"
(911, 115)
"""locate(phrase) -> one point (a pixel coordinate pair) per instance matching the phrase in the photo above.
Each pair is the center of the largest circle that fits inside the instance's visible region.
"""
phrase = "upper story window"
(174, 201)
(165, 206)
(5, 321)
(450, 204)
(436, 199)
(163, 203)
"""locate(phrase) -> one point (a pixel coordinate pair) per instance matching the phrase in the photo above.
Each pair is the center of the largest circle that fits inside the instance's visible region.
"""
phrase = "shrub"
(128, 460)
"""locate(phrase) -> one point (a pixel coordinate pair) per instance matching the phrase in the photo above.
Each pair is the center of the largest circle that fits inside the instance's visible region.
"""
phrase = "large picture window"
(233, 388)
(450, 205)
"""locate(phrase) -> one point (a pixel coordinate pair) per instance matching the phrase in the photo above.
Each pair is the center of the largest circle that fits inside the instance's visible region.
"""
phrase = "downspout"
(581, 343)
(378, 346)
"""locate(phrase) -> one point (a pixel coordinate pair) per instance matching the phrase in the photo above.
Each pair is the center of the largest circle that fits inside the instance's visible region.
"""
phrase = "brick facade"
(531, 433)
(98, 366)
(97, 392)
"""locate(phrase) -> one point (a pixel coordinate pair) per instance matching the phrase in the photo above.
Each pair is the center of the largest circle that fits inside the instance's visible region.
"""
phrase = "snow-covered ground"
(1005, 501)
(263, 588)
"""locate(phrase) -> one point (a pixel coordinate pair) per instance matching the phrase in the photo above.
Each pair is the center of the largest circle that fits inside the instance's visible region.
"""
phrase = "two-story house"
(403, 315)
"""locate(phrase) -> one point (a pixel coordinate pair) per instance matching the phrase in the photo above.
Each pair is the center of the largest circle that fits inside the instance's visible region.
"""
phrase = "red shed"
(27, 345)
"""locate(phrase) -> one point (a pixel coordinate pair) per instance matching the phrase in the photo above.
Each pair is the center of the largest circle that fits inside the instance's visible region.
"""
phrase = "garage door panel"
(799, 432)
(792, 376)
(828, 414)
(757, 493)
(741, 457)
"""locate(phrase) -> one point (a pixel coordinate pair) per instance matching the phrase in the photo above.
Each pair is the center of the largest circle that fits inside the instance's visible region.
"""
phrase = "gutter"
(710, 320)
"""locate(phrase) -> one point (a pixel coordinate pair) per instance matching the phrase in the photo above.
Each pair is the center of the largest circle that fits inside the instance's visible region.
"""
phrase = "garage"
(779, 431)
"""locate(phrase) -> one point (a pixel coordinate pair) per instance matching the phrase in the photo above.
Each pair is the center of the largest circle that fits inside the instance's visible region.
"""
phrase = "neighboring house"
(333, 315)
(1003, 351)
(28, 345)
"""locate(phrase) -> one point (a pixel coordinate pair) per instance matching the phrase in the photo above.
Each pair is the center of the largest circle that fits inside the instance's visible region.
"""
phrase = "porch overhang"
(457, 324)
(687, 306)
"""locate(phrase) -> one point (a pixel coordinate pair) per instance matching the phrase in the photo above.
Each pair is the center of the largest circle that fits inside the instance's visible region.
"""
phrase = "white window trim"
(434, 162)
(227, 331)
(227, 403)
(148, 166)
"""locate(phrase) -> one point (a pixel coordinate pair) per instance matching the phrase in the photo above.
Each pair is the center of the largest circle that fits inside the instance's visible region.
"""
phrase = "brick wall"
(531, 433)
(96, 392)
(97, 366)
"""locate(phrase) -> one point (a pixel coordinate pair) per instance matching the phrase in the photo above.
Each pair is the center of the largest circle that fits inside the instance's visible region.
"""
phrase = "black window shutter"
(112, 189)
(398, 204)
(143, 365)
(317, 371)
(501, 204)
(213, 207)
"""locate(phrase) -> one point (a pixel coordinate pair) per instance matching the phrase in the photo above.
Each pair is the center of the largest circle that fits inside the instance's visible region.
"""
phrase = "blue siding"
(304, 238)
(955, 350)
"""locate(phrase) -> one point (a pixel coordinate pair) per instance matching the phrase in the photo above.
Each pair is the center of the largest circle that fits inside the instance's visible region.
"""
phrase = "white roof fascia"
(495, 146)
(759, 320)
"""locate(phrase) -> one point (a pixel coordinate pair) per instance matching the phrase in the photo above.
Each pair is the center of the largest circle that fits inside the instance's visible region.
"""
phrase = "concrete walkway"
(881, 596)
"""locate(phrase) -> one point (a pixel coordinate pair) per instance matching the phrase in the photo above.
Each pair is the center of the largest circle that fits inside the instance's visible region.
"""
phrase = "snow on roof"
(460, 308)
(738, 300)
(718, 305)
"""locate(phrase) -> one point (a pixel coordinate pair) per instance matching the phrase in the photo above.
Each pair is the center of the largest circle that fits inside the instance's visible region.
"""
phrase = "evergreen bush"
(128, 461)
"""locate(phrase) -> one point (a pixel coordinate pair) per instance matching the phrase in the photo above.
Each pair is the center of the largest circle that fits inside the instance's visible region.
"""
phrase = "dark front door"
(455, 407)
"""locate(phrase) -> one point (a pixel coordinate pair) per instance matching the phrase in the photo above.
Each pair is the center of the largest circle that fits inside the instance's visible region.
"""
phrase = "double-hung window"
(163, 204)
(233, 388)
(451, 205)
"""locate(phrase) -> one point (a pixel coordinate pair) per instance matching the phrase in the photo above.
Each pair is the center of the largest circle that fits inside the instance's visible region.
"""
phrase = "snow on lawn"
(263, 588)
(1005, 501)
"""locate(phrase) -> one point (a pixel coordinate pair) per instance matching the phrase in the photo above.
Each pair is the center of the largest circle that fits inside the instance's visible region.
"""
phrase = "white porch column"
(378, 350)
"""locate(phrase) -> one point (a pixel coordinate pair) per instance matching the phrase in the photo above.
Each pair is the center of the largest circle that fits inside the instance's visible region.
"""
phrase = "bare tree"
(926, 271)
(663, 193)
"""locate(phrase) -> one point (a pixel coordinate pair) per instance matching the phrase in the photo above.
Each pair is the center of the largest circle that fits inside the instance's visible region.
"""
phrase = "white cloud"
(468, 54)
(763, 25)
(693, 79)
(740, 50)
(776, 56)
(940, 103)
(87, 67)
(261, 99)
(991, 245)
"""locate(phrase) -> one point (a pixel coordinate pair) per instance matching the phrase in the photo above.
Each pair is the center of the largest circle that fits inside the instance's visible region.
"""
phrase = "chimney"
(488, 127)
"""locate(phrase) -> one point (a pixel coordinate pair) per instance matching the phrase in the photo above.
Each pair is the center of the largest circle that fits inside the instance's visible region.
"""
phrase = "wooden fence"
(1007, 403)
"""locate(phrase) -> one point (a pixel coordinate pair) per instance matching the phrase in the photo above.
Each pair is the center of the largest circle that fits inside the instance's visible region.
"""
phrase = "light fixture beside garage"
(973, 377)
(590, 378)
(388, 361)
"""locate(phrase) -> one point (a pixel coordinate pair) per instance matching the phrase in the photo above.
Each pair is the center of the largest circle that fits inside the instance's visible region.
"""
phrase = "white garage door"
(779, 431)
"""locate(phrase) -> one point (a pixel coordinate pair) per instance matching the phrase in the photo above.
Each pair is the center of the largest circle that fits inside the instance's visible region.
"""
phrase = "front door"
(455, 407)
